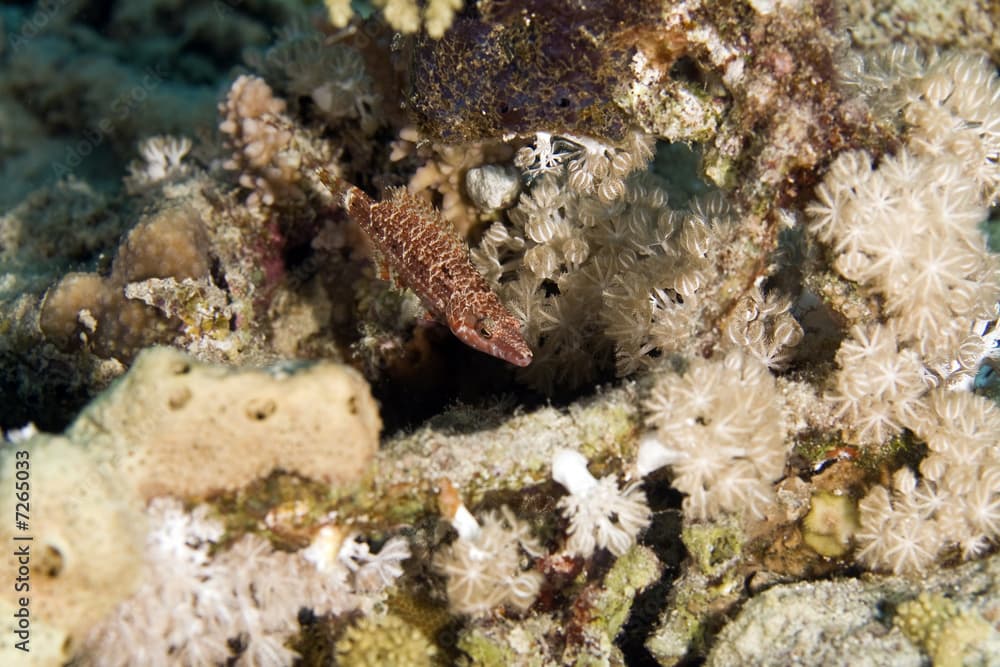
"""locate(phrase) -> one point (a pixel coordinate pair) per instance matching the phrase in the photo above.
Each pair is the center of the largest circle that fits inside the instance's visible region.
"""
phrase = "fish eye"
(485, 327)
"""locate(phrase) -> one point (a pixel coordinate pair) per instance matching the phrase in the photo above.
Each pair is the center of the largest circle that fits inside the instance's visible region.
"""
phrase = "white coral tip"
(569, 468)
(16, 436)
(324, 550)
(653, 455)
(466, 525)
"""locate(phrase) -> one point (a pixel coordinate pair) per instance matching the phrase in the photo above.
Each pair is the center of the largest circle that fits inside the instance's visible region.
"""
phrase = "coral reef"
(173, 426)
(749, 249)
(193, 601)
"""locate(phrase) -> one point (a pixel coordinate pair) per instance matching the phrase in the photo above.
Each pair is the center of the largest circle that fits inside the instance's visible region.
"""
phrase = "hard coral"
(94, 311)
(384, 639)
(403, 15)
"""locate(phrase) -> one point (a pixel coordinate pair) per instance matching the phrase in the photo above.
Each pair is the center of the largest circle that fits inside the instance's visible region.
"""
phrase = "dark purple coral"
(517, 67)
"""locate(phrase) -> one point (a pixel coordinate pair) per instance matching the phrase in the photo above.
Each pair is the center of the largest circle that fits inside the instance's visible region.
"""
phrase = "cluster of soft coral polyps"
(908, 233)
(485, 566)
(908, 230)
(598, 282)
(239, 605)
(601, 515)
(720, 428)
(955, 505)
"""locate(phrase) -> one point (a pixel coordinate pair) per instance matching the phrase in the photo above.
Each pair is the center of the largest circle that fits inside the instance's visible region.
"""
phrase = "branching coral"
(442, 173)
(719, 426)
(268, 154)
(403, 15)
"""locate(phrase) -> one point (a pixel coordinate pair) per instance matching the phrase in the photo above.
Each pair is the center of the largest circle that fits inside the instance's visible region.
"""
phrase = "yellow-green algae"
(714, 546)
(831, 523)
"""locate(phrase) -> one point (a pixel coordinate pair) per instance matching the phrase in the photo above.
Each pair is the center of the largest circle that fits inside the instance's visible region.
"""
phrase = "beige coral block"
(86, 543)
(175, 426)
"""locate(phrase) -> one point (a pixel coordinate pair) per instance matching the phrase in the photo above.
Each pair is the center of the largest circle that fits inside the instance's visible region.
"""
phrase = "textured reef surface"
(252, 253)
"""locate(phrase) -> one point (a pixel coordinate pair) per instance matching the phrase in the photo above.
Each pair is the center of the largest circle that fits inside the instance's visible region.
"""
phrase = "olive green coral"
(384, 639)
(949, 635)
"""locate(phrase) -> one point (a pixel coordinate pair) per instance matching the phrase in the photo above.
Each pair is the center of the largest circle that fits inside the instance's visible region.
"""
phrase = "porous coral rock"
(171, 410)
(499, 454)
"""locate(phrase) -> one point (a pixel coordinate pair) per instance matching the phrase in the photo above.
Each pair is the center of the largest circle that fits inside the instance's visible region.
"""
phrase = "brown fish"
(425, 254)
